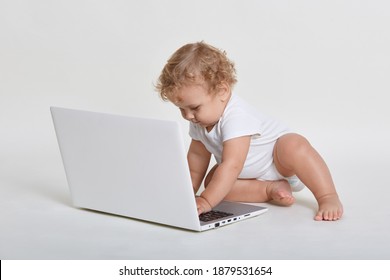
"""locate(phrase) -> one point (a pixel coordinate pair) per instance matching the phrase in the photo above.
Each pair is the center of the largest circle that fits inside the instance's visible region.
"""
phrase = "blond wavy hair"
(195, 64)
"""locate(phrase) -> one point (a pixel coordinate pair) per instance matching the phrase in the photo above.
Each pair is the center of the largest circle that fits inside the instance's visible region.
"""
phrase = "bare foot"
(330, 208)
(280, 193)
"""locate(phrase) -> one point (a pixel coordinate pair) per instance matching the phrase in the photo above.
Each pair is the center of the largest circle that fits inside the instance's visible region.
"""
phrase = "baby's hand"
(202, 205)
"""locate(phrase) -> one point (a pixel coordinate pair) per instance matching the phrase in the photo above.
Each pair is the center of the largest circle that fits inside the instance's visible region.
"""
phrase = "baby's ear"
(223, 90)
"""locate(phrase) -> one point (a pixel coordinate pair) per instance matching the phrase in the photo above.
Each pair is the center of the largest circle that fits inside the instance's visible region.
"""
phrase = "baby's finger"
(200, 210)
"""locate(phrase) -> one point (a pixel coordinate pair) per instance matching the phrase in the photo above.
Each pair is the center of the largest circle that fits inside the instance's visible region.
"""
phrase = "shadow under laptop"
(53, 192)
(137, 222)
(62, 196)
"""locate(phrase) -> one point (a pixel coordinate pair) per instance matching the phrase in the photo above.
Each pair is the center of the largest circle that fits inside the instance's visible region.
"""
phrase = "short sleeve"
(238, 124)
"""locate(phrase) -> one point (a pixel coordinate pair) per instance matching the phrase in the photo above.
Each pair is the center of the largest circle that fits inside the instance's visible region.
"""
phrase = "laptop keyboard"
(213, 215)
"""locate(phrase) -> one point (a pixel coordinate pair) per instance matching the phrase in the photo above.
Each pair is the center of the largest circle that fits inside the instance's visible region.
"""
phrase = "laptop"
(135, 167)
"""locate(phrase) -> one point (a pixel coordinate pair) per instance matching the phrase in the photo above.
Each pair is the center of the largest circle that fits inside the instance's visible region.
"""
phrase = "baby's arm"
(198, 160)
(233, 158)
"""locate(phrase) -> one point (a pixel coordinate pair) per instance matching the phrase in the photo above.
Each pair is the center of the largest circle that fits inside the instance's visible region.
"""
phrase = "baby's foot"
(329, 208)
(280, 193)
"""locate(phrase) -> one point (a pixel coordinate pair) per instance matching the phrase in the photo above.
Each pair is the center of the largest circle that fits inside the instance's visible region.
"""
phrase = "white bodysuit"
(241, 119)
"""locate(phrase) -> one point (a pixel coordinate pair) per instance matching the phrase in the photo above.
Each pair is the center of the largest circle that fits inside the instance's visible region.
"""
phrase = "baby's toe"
(319, 217)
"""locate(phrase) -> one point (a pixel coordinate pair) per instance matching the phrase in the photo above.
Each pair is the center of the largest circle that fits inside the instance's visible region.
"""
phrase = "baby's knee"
(294, 143)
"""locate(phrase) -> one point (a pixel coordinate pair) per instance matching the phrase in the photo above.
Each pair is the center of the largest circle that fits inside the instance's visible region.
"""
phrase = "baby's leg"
(252, 190)
(293, 154)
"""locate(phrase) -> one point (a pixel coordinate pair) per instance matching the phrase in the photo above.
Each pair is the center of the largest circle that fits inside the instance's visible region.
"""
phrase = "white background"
(323, 67)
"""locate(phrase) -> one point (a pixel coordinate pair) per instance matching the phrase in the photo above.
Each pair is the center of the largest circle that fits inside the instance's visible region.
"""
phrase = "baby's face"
(199, 106)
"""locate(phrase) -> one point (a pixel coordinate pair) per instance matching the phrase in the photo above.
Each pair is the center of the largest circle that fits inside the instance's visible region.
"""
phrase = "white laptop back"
(128, 166)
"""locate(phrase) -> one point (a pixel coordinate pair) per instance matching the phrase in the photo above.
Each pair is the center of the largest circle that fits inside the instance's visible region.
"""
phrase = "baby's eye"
(195, 108)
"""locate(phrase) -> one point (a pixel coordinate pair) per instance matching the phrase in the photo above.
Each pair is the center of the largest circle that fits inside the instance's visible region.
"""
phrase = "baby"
(258, 159)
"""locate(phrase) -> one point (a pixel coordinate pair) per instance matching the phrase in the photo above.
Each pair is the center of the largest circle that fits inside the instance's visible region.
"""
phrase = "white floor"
(38, 222)
(329, 79)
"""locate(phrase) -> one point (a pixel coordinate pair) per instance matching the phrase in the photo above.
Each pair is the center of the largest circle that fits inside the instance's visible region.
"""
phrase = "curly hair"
(194, 64)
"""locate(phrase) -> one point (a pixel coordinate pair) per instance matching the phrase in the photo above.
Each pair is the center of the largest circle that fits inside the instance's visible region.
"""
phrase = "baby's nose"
(189, 115)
